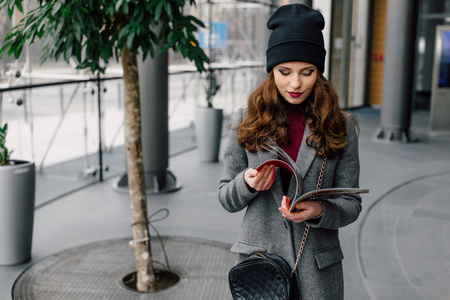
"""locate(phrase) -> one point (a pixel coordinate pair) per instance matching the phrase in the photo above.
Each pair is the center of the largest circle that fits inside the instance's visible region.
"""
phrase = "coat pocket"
(246, 248)
(328, 256)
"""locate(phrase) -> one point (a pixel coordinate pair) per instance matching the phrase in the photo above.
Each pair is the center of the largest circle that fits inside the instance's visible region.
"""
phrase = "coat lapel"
(305, 157)
(306, 154)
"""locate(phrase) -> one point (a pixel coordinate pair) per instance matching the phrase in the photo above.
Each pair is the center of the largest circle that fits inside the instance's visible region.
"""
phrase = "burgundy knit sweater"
(297, 125)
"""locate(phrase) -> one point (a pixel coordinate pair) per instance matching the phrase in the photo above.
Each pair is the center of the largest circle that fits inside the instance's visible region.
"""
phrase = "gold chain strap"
(305, 233)
(322, 171)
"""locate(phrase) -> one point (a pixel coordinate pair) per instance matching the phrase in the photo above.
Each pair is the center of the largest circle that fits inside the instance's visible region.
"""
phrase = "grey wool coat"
(264, 229)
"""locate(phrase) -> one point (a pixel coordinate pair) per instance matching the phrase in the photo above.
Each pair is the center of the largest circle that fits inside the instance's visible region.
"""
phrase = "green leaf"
(123, 7)
(77, 31)
(10, 12)
(196, 21)
(84, 9)
(68, 47)
(123, 33)
(150, 5)
(78, 15)
(168, 10)
(16, 3)
(130, 37)
(118, 5)
(199, 65)
(153, 37)
(151, 50)
(158, 10)
(105, 53)
(56, 7)
(184, 51)
(165, 48)
(17, 51)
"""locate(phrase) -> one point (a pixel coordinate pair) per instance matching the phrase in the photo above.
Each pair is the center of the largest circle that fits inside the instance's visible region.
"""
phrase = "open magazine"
(286, 162)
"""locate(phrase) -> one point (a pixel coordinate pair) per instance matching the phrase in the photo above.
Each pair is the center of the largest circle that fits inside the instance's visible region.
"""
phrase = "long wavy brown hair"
(266, 117)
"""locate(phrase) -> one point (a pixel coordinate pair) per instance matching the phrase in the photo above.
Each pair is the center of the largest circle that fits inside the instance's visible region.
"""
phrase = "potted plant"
(17, 197)
(208, 126)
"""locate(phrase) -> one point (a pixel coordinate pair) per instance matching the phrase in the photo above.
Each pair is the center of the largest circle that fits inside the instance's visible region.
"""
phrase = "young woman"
(298, 108)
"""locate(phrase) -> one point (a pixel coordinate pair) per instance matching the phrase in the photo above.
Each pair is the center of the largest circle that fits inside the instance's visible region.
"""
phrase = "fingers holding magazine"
(260, 179)
(304, 210)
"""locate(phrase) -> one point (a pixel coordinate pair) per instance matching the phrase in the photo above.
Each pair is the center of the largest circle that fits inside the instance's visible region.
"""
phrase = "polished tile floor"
(397, 249)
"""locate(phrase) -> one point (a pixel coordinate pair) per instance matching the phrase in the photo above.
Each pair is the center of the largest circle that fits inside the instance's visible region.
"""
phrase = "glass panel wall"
(60, 123)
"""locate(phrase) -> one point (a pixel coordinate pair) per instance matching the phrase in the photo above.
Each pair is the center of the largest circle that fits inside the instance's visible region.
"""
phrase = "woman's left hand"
(306, 210)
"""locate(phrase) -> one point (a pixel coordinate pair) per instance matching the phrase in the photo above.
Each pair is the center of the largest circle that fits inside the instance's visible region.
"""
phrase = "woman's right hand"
(261, 180)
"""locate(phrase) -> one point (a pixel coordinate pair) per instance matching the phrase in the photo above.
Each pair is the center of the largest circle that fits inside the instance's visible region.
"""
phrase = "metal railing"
(52, 122)
(97, 80)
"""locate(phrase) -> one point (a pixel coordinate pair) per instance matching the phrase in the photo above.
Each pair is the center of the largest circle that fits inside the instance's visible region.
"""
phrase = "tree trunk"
(146, 280)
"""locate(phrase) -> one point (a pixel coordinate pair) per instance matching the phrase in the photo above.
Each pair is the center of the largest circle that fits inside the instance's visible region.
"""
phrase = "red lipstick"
(294, 95)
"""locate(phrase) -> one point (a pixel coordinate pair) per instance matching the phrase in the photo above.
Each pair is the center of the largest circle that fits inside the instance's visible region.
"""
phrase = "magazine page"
(327, 192)
(286, 162)
(287, 166)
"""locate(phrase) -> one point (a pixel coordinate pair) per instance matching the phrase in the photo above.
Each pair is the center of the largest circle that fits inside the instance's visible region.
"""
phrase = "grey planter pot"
(208, 129)
(17, 197)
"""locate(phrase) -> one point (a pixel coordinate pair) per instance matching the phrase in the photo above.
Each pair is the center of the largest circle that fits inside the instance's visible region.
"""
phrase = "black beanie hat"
(296, 36)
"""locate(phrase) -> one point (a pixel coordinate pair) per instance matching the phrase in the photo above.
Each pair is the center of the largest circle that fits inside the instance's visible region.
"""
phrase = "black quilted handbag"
(262, 276)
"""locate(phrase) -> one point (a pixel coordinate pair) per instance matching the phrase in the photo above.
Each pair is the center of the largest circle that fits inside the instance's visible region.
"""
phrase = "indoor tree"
(95, 31)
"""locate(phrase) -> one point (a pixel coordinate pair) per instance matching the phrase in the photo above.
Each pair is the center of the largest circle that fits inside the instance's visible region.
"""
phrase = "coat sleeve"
(234, 194)
(339, 211)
